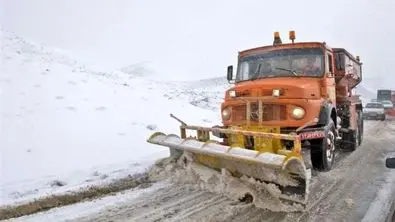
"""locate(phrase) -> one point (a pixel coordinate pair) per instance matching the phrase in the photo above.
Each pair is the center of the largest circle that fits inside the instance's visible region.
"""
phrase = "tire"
(358, 131)
(361, 127)
(323, 158)
(356, 137)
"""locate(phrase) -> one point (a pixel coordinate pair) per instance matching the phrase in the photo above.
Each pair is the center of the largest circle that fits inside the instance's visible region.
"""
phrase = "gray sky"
(193, 40)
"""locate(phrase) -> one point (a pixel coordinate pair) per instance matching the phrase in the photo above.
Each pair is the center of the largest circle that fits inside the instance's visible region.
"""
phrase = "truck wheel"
(361, 127)
(323, 151)
(355, 138)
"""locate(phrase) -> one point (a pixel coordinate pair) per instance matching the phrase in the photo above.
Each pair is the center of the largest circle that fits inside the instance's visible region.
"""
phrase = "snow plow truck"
(286, 98)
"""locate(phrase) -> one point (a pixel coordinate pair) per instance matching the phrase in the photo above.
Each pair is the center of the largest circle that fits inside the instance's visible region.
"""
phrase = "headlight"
(276, 93)
(226, 113)
(232, 93)
(298, 113)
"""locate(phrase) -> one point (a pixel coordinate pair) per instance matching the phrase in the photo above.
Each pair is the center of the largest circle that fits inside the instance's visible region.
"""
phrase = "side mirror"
(390, 163)
(230, 73)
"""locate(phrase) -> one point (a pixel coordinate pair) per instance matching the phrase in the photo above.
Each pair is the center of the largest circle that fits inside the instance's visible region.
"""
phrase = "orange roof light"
(276, 35)
(277, 39)
(292, 35)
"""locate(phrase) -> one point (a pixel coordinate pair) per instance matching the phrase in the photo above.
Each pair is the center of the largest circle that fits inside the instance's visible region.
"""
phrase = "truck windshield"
(284, 62)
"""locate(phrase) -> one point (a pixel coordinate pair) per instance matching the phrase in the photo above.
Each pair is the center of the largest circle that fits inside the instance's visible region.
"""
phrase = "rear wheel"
(358, 130)
(323, 150)
(361, 127)
(356, 136)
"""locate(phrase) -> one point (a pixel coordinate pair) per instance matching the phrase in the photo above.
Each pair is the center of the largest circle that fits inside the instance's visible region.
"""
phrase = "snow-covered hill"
(365, 92)
(66, 122)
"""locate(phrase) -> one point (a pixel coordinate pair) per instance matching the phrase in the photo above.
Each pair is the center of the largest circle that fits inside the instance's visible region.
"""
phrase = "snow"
(62, 120)
(84, 209)
(380, 208)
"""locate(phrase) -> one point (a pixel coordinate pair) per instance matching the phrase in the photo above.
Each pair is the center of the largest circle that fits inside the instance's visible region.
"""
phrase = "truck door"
(330, 78)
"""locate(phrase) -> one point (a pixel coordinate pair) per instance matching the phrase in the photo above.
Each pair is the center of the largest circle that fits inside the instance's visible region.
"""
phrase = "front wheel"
(323, 150)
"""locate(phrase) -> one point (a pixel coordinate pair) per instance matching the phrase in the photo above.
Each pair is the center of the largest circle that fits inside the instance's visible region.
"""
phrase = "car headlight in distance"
(298, 113)
(232, 93)
(226, 113)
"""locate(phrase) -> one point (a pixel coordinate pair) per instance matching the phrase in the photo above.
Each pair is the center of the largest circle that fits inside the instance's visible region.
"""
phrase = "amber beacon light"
(292, 36)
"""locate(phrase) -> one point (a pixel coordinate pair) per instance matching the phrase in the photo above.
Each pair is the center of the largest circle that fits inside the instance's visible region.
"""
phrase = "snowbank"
(380, 208)
(61, 120)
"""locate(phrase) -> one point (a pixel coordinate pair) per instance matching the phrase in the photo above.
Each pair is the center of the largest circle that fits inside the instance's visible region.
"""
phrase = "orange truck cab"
(305, 88)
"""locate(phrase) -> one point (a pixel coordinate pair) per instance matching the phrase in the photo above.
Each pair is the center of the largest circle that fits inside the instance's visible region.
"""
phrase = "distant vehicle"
(374, 110)
(384, 94)
(387, 104)
(387, 97)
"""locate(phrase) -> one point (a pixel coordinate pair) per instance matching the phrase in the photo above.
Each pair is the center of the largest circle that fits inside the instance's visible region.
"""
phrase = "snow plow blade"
(285, 168)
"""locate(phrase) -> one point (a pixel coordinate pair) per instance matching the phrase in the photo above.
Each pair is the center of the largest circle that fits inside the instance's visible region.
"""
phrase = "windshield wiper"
(256, 74)
(289, 70)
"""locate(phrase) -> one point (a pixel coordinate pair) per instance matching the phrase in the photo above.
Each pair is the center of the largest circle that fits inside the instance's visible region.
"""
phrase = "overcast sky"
(198, 39)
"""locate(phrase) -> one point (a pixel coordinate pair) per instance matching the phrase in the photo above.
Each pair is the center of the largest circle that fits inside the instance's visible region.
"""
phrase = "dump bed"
(348, 73)
(348, 68)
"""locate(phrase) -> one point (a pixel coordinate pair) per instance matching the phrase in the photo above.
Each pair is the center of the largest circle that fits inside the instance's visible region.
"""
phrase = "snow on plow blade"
(285, 169)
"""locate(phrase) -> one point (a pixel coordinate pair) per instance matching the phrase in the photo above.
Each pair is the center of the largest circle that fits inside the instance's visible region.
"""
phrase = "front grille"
(239, 113)
(270, 112)
(244, 93)
(266, 92)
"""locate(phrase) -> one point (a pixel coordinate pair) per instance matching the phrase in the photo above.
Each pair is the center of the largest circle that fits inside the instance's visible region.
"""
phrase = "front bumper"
(305, 134)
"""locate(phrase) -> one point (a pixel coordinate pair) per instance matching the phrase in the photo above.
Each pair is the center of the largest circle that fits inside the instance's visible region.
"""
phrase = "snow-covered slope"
(139, 69)
(365, 92)
(61, 120)
(207, 93)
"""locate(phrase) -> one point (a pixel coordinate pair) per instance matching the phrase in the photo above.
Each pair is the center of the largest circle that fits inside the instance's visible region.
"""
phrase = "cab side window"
(330, 63)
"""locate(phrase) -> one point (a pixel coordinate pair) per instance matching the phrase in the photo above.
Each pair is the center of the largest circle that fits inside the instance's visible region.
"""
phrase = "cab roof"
(284, 46)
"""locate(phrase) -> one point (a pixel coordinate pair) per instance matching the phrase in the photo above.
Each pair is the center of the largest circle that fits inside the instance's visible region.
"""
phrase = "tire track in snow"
(355, 180)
